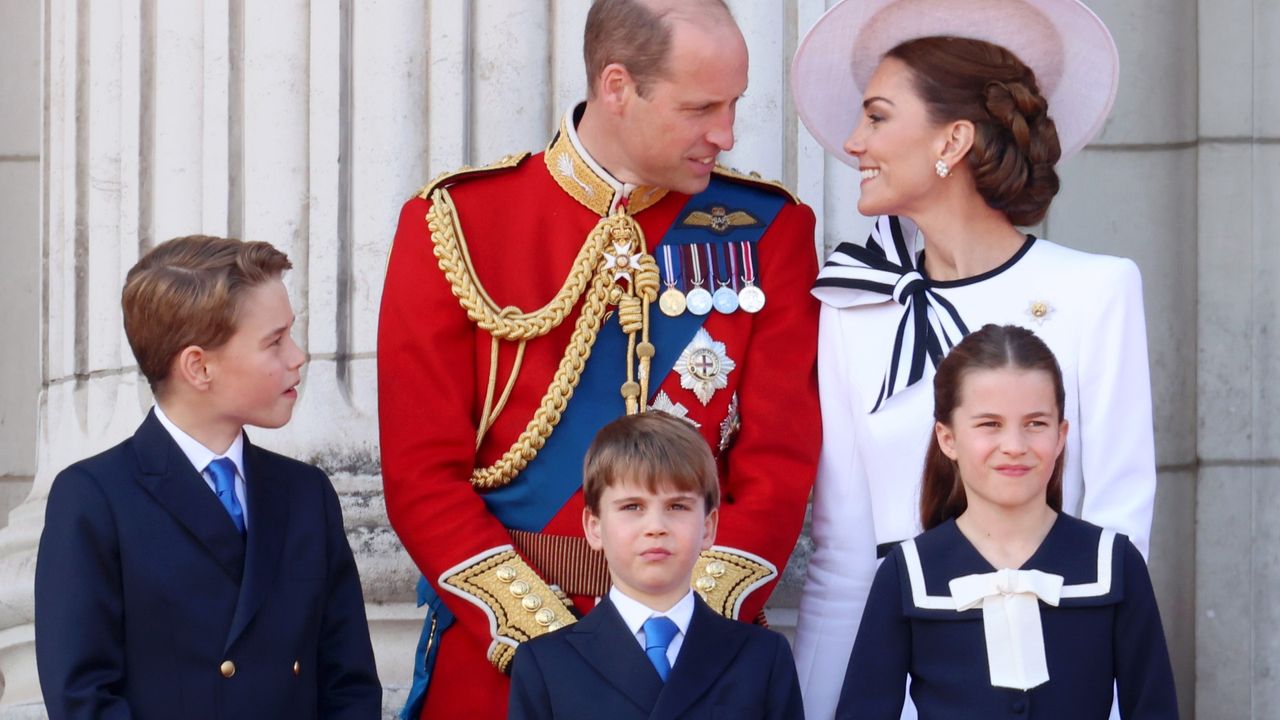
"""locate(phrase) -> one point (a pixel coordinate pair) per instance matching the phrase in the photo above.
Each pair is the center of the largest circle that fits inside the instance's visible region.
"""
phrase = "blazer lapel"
(708, 648)
(268, 524)
(169, 477)
(603, 640)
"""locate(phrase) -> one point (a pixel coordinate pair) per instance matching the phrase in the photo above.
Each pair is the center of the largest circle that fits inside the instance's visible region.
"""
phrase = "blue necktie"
(658, 633)
(223, 471)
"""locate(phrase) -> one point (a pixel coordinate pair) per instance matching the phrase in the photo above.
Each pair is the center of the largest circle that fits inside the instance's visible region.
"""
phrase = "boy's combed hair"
(188, 291)
(994, 347)
(654, 450)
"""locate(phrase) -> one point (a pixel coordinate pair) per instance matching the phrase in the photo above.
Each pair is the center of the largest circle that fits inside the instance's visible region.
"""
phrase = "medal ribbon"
(672, 266)
(724, 277)
(748, 264)
(695, 266)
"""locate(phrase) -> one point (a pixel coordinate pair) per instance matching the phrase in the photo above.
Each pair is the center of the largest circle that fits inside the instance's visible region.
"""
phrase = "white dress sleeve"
(1116, 432)
(843, 563)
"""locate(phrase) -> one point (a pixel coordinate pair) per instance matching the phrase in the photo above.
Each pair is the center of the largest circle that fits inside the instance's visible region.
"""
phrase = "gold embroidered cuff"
(520, 605)
(725, 576)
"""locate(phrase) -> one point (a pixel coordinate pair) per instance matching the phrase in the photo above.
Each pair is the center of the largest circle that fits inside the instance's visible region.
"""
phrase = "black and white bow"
(884, 270)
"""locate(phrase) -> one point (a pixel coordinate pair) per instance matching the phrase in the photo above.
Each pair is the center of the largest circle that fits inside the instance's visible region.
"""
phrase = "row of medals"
(673, 302)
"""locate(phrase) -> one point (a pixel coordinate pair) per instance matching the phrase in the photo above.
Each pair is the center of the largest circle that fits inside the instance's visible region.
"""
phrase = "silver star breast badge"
(704, 366)
(663, 403)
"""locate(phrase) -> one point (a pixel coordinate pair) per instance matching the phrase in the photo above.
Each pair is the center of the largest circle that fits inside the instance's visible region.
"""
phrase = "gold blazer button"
(297, 668)
(227, 668)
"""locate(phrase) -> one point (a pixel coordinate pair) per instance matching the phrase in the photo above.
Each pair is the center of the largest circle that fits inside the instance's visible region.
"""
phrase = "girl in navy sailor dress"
(1006, 607)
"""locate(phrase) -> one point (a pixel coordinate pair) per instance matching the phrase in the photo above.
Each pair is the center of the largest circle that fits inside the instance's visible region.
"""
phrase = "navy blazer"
(149, 604)
(596, 669)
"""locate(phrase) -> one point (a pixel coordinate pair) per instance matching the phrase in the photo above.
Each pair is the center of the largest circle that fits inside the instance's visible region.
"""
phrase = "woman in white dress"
(956, 112)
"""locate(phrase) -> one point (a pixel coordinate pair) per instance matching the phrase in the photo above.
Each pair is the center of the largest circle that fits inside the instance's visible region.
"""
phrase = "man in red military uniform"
(529, 302)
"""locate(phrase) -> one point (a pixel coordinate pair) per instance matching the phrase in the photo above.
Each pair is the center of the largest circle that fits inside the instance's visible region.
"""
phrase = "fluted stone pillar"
(1237, 626)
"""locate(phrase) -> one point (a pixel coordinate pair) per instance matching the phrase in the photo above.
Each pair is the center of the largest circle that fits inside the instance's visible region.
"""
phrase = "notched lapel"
(268, 523)
(169, 477)
(603, 640)
(706, 653)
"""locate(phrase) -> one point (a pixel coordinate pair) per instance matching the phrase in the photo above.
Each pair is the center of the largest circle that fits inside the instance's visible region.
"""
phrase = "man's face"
(671, 137)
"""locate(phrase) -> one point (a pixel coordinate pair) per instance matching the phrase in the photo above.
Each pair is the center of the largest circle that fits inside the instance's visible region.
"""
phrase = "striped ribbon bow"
(885, 269)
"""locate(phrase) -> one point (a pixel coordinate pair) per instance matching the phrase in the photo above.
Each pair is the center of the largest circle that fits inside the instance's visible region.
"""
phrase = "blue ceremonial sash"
(546, 484)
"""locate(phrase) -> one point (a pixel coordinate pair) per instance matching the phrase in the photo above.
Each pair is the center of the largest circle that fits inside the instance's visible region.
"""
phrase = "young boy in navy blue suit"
(652, 648)
(186, 573)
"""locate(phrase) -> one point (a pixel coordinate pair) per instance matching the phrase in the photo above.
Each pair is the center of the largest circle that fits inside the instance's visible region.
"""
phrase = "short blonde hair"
(653, 450)
(188, 291)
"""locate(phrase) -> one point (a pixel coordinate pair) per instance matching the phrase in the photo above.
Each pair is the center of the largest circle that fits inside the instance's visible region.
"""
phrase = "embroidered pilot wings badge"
(719, 219)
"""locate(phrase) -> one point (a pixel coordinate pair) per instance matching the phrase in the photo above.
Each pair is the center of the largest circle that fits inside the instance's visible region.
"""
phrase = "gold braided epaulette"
(519, 603)
(724, 576)
(452, 177)
(754, 178)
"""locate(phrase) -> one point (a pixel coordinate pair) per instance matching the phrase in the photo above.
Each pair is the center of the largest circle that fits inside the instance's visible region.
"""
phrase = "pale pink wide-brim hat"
(1067, 46)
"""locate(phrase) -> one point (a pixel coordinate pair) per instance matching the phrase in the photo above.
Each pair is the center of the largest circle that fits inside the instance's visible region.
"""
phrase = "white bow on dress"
(1010, 601)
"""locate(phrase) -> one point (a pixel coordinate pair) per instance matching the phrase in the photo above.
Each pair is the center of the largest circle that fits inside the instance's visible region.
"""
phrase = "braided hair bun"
(1015, 144)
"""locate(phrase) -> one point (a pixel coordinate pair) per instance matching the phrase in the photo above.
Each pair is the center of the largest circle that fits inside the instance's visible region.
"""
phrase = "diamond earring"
(942, 168)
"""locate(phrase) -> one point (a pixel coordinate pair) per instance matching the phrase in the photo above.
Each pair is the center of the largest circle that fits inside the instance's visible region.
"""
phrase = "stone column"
(1237, 565)
(220, 117)
(20, 43)
(1133, 193)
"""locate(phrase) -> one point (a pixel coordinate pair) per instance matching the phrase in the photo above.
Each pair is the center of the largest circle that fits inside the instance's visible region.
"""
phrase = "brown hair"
(994, 347)
(637, 35)
(653, 450)
(188, 291)
(1015, 144)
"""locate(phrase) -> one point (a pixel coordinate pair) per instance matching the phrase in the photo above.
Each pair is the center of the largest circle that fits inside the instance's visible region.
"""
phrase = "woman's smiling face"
(896, 143)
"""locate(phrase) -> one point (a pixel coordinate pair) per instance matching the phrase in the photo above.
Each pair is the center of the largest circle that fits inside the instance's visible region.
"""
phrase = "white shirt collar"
(199, 455)
(621, 190)
(634, 612)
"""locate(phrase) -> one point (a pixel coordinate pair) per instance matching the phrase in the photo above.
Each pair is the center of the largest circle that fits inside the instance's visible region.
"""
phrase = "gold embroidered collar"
(583, 179)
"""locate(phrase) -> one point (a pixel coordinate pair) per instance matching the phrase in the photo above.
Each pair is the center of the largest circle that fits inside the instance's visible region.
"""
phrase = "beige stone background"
(125, 122)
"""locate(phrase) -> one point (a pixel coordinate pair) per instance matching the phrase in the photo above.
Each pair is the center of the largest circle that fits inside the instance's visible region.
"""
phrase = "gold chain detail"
(510, 323)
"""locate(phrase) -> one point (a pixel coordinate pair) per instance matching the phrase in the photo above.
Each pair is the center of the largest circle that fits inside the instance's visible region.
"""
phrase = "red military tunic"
(523, 225)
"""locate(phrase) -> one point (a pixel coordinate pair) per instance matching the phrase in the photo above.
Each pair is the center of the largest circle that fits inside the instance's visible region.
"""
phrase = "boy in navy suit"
(186, 573)
(652, 648)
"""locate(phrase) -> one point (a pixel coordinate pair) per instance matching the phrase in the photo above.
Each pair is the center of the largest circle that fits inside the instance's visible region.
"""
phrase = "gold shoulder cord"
(596, 273)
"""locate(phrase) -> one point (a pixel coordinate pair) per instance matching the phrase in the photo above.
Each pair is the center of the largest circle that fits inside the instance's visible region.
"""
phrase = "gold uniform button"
(227, 668)
(297, 668)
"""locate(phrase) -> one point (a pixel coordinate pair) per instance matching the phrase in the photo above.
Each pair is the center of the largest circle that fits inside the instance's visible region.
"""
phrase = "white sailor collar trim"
(1099, 588)
(1010, 603)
